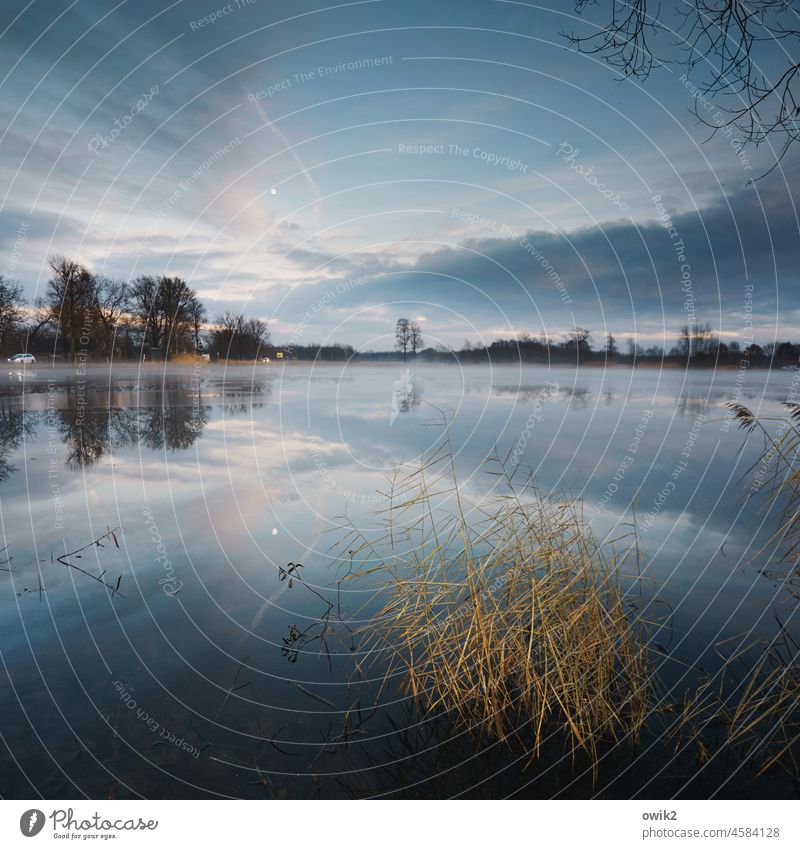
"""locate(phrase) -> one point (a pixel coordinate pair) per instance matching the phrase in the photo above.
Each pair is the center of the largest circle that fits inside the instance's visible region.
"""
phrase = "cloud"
(232, 237)
(622, 274)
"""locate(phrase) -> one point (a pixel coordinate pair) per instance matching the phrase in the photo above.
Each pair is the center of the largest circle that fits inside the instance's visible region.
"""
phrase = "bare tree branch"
(745, 53)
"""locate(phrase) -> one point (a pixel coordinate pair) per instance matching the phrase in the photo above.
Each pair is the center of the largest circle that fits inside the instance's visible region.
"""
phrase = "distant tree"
(40, 321)
(578, 342)
(704, 342)
(223, 334)
(237, 337)
(146, 310)
(176, 299)
(71, 298)
(326, 353)
(684, 346)
(402, 334)
(112, 302)
(611, 347)
(524, 348)
(165, 310)
(197, 318)
(11, 316)
(258, 335)
(415, 340)
(787, 352)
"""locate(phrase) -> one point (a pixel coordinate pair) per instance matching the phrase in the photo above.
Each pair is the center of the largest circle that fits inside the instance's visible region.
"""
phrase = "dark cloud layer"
(619, 273)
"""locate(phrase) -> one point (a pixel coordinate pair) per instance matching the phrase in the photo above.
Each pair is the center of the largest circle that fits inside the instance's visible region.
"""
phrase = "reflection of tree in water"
(235, 402)
(406, 395)
(15, 426)
(693, 404)
(550, 391)
(409, 400)
(176, 423)
(85, 434)
(89, 433)
(579, 398)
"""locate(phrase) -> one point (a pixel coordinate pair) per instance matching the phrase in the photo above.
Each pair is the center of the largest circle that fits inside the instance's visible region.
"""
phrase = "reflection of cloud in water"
(319, 439)
(533, 391)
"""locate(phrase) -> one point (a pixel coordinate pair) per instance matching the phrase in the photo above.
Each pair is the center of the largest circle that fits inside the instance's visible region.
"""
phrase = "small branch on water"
(97, 543)
(233, 687)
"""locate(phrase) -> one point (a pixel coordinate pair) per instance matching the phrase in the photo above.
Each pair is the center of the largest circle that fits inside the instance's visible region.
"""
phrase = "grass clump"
(749, 709)
(777, 471)
(506, 611)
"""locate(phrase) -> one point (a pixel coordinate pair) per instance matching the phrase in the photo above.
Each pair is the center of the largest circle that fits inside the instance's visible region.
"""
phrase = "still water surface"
(181, 684)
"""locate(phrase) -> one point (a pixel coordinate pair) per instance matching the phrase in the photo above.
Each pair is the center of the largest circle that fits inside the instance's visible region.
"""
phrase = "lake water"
(181, 683)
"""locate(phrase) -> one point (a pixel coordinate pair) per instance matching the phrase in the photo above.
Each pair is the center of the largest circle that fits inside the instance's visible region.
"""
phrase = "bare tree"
(258, 335)
(402, 334)
(729, 42)
(415, 339)
(39, 320)
(237, 337)
(176, 299)
(166, 310)
(71, 297)
(10, 312)
(578, 342)
(197, 318)
(634, 348)
(684, 346)
(112, 301)
(146, 308)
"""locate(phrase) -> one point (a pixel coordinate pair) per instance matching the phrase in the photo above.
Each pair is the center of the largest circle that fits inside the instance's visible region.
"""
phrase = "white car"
(22, 359)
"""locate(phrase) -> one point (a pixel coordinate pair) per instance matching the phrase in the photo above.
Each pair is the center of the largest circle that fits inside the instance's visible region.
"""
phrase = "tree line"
(86, 316)
(697, 345)
(83, 315)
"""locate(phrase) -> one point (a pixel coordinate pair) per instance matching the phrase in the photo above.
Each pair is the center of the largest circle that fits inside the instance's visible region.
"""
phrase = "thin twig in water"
(233, 687)
(315, 696)
(97, 543)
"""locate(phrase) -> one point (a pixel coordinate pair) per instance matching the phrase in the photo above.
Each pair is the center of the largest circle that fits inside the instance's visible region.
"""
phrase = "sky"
(332, 167)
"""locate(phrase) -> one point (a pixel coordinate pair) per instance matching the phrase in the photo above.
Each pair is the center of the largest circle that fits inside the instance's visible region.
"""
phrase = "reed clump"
(506, 611)
(750, 708)
(777, 471)
(754, 700)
